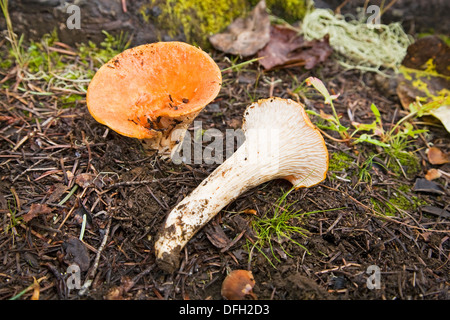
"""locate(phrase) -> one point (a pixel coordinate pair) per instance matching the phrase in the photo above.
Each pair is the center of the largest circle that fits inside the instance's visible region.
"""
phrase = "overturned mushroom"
(280, 142)
(238, 285)
(153, 92)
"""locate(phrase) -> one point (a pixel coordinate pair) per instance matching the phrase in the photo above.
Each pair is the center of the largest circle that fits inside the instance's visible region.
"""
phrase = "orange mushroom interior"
(139, 89)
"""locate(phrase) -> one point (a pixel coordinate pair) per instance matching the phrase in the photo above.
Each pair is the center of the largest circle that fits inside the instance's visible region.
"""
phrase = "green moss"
(196, 19)
(5, 64)
(70, 99)
(339, 161)
(409, 163)
(402, 198)
(290, 10)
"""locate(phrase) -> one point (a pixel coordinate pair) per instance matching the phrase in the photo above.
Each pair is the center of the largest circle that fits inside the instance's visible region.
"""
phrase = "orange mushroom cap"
(133, 91)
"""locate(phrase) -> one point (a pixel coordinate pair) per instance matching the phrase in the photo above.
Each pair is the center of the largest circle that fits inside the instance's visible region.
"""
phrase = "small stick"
(90, 278)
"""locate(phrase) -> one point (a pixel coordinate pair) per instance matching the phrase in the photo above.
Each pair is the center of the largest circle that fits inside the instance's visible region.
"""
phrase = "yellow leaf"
(36, 289)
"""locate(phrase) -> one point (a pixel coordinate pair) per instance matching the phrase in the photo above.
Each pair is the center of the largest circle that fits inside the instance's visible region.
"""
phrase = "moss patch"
(195, 19)
(402, 162)
(340, 161)
(290, 10)
(400, 198)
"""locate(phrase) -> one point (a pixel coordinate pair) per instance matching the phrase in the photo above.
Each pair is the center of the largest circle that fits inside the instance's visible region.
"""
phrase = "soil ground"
(126, 194)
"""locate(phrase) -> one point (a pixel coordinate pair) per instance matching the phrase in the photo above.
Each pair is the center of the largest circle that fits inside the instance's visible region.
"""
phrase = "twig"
(332, 138)
(351, 264)
(136, 183)
(338, 9)
(387, 7)
(91, 275)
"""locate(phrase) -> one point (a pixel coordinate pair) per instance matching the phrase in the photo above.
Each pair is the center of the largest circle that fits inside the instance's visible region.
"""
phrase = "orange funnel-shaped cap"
(148, 91)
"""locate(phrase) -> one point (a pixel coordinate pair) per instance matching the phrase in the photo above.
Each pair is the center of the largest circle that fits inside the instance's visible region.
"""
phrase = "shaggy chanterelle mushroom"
(280, 142)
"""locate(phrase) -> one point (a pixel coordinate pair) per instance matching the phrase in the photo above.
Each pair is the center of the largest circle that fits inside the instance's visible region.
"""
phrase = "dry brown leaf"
(245, 36)
(426, 48)
(76, 253)
(84, 180)
(432, 174)
(436, 156)
(287, 48)
(35, 210)
(217, 236)
(55, 192)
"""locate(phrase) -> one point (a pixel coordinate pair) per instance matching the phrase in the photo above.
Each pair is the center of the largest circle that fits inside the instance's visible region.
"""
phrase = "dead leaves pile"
(277, 46)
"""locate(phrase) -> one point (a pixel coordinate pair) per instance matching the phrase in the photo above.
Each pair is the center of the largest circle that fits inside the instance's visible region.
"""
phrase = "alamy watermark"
(261, 144)
(374, 280)
(73, 280)
(374, 20)
(74, 20)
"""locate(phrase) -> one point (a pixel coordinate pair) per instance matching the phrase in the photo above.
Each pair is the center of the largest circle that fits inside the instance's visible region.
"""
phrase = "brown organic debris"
(76, 253)
(424, 49)
(287, 48)
(437, 156)
(36, 209)
(433, 174)
(245, 36)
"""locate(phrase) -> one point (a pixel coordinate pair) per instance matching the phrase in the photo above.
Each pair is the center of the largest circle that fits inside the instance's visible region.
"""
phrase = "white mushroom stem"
(280, 142)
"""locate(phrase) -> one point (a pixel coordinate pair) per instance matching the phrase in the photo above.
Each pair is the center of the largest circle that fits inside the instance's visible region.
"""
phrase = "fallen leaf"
(216, 235)
(425, 74)
(423, 185)
(114, 293)
(436, 156)
(55, 192)
(36, 290)
(76, 253)
(36, 209)
(436, 211)
(432, 174)
(84, 180)
(245, 36)
(443, 114)
(118, 292)
(287, 48)
(426, 48)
